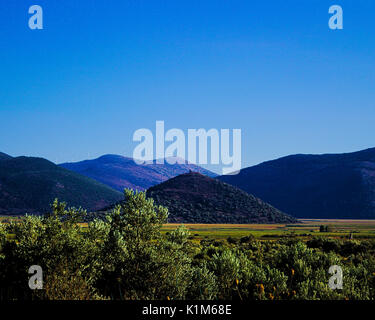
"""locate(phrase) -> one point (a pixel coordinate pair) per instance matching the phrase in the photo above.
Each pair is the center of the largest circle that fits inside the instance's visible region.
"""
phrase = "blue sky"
(99, 70)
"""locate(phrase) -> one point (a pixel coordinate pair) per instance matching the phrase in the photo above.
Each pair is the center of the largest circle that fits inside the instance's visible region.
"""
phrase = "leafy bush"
(126, 256)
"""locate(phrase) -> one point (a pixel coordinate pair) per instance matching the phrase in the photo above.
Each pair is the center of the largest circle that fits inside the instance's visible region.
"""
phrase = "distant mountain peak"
(173, 160)
(120, 172)
(112, 156)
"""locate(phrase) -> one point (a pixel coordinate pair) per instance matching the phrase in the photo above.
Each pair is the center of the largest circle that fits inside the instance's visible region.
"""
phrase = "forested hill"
(30, 185)
(332, 186)
(195, 198)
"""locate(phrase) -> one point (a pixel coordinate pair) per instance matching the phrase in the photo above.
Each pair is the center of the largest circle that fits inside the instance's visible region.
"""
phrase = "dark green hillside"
(195, 198)
(29, 185)
(4, 156)
(328, 186)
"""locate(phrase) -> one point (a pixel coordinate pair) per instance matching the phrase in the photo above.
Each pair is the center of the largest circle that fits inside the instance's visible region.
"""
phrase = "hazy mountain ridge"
(305, 186)
(120, 172)
(315, 186)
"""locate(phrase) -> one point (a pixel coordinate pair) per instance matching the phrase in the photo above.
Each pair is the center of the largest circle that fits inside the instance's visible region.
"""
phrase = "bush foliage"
(126, 256)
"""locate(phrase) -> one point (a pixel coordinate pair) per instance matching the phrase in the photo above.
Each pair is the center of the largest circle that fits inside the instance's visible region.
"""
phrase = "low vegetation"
(129, 255)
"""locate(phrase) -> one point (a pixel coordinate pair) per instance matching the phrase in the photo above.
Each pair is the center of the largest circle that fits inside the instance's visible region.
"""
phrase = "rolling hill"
(315, 186)
(195, 198)
(30, 185)
(4, 156)
(120, 172)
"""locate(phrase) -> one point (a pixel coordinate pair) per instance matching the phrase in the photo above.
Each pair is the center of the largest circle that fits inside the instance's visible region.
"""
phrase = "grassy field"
(361, 229)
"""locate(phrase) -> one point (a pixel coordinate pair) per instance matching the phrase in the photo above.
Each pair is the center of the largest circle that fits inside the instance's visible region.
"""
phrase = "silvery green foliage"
(179, 236)
(203, 285)
(127, 256)
(137, 261)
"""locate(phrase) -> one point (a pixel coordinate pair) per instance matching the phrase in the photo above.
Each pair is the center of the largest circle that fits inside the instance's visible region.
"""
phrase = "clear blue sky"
(101, 69)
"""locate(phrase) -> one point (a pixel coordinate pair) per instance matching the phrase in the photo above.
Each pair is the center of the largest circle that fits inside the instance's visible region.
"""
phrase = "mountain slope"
(120, 172)
(29, 185)
(315, 186)
(4, 156)
(195, 198)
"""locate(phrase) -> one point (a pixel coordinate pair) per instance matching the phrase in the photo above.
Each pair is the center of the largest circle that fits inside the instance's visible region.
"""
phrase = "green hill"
(195, 198)
(29, 185)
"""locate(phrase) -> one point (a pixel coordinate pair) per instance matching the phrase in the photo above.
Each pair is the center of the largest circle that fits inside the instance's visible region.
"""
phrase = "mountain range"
(30, 185)
(120, 172)
(195, 198)
(303, 186)
(314, 186)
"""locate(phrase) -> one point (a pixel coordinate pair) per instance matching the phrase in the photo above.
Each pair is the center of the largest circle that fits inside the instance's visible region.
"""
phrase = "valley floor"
(307, 228)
